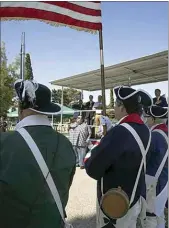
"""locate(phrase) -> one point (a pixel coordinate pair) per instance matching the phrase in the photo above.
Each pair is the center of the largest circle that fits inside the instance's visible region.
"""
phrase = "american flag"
(79, 15)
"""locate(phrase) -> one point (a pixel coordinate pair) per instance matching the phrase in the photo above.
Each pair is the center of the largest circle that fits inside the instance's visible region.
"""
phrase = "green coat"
(25, 199)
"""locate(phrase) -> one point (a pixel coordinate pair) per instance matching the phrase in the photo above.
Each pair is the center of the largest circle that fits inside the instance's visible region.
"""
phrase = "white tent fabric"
(148, 69)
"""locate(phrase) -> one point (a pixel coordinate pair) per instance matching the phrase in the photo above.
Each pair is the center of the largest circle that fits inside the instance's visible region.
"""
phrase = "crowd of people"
(3, 124)
(37, 164)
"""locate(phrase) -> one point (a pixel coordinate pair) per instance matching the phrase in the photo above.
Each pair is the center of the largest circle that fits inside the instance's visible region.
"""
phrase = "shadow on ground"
(88, 222)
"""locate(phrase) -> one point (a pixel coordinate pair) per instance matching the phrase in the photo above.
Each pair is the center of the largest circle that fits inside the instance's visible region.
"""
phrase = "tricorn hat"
(36, 97)
(124, 93)
(157, 112)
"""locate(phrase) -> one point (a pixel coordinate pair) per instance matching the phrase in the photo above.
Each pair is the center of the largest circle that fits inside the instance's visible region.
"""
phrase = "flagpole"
(22, 62)
(102, 71)
(23, 55)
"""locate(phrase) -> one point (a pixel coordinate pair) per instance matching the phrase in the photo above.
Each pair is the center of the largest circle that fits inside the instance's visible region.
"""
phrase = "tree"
(14, 68)
(111, 105)
(6, 82)
(69, 95)
(56, 96)
(28, 68)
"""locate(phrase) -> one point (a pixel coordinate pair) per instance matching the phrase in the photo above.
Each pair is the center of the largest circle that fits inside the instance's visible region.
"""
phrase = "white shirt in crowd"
(104, 120)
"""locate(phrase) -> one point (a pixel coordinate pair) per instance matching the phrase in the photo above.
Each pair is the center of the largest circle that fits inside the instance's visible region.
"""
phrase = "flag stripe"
(75, 7)
(49, 8)
(78, 15)
(47, 16)
(90, 5)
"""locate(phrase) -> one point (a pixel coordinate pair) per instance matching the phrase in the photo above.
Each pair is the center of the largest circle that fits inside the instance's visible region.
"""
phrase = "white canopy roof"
(148, 69)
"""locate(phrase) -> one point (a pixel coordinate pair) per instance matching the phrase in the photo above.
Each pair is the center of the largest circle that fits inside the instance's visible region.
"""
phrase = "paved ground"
(82, 201)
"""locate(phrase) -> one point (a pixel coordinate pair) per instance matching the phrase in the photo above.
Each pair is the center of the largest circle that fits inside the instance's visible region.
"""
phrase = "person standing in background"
(159, 100)
(104, 123)
(25, 197)
(90, 115)
(82, 134)
(111, 162)
(157, 167)
(98, 105)
(3, 124)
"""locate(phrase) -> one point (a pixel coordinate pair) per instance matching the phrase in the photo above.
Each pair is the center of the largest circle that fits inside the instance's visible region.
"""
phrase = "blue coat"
(158, 150)
(117, 159)
(163, 101)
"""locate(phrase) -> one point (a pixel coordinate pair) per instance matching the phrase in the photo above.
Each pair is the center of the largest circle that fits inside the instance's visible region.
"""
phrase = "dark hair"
(131, 105)
(158, 90)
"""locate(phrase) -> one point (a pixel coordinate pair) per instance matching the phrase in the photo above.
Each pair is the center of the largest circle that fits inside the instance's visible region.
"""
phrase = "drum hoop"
(116, 191)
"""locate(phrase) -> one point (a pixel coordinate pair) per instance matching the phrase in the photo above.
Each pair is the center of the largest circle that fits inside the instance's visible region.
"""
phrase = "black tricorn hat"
(124, 93)
(157, 112)
(36, 97)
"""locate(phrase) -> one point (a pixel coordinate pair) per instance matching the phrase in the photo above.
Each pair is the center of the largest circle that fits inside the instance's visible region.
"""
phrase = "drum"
(115, 203)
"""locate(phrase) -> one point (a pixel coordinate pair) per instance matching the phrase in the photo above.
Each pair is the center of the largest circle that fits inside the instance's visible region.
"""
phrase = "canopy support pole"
(102, 71)
(52, 120)
(129, 81)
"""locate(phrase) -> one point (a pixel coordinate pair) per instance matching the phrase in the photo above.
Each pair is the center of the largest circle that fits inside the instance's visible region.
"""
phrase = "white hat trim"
(157, 116)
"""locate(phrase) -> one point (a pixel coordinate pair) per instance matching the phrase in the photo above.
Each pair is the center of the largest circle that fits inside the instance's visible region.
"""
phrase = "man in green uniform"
(25, 198)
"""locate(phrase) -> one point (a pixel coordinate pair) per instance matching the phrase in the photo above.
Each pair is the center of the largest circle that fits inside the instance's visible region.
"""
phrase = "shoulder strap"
(160, 168)
(143, 151)
(45, 171)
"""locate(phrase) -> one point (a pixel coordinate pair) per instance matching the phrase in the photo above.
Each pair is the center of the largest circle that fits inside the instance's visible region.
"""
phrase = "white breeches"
(155, 222)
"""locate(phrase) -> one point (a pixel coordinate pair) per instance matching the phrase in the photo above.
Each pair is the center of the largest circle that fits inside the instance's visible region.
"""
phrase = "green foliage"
(69, 95)
(28, 68)
(14, 68)
(6, 82)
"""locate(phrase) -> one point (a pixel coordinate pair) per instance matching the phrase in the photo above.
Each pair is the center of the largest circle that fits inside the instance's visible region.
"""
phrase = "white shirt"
(104, 120)
(97, 104)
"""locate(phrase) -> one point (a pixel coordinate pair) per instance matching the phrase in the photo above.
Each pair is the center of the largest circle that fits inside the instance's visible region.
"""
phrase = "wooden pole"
(102, 71)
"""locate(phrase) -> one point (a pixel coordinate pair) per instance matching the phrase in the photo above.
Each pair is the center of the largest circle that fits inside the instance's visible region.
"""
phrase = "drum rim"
(121, 192)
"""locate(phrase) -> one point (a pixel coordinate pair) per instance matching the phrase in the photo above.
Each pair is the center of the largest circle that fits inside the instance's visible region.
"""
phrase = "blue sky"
(131, 30)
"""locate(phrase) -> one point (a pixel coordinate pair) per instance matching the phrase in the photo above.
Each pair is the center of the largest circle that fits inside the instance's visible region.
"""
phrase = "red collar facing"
(132, 118)
(162, 127)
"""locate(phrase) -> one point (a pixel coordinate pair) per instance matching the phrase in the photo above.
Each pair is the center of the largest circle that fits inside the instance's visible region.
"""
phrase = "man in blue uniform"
(117, 160)
(157, 167)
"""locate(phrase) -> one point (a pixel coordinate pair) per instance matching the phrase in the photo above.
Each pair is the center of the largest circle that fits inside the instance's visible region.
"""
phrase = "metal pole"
(129, 81)
(62, 109)
(22, 53)
(82, 95)
(52, 120)
(102, 71)
(21, 60)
